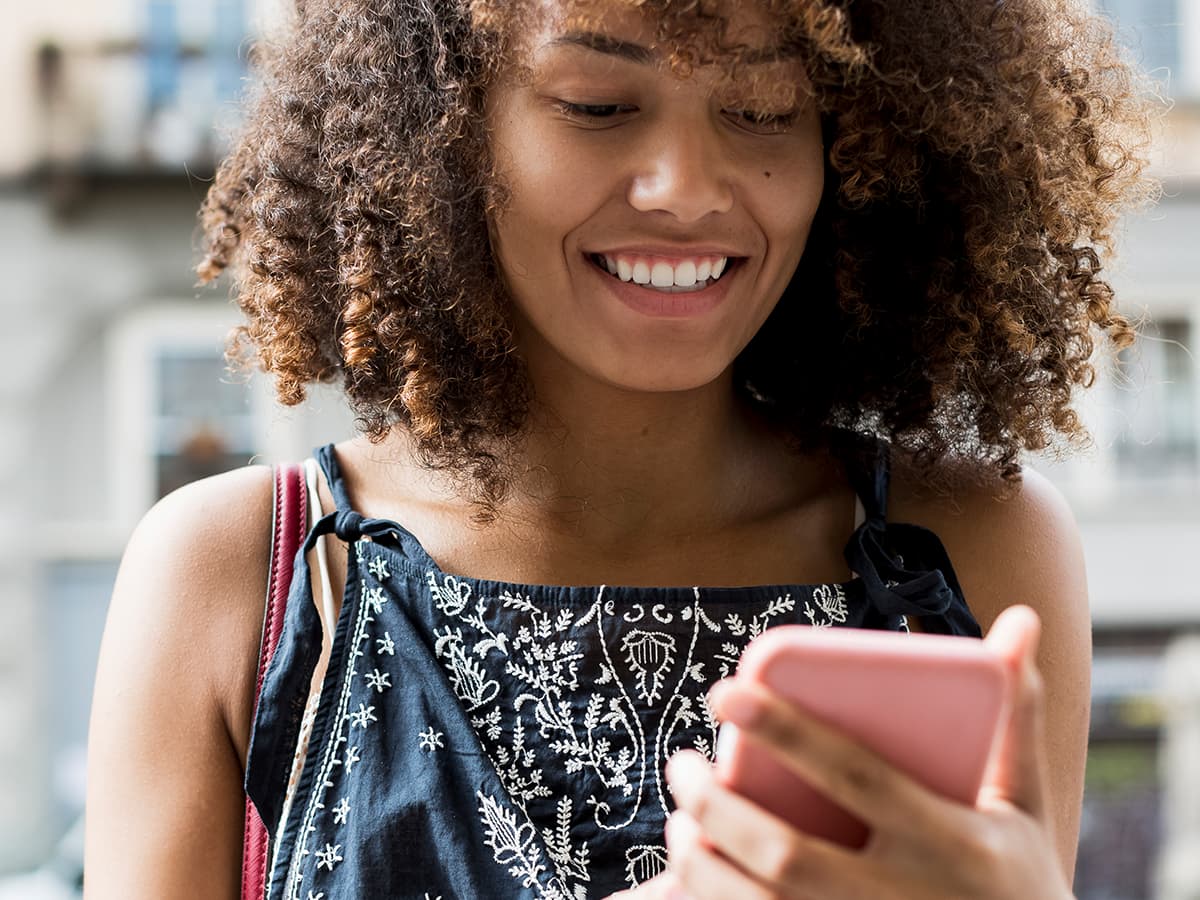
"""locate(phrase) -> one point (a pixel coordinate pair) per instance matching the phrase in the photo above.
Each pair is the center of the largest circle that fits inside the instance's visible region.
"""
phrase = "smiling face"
(653, 220)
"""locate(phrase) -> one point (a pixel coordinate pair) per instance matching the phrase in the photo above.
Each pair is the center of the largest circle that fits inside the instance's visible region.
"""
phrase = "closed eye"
(762, 123)
(593, 111)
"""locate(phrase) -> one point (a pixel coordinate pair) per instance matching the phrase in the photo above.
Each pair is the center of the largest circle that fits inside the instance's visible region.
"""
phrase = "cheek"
(788, 200)
(551, 188)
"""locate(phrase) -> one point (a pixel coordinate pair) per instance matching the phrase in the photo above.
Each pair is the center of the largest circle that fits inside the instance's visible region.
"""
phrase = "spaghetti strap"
(904, 568)
(327, 459)
(350, 525)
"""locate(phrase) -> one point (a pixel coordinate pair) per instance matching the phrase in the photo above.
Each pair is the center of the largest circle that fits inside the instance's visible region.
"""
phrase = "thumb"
(1017, 769)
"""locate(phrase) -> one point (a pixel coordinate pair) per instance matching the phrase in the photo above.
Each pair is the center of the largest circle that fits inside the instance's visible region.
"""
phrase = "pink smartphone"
(929, 704)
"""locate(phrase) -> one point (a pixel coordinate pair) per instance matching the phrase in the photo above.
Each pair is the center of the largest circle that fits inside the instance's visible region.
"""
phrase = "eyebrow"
(611, 46)
(636, 53)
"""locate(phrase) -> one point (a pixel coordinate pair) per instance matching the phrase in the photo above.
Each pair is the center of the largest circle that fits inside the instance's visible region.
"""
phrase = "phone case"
(930, 704)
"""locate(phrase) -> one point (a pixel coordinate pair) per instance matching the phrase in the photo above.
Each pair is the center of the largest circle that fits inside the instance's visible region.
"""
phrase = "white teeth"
(662, 275)
(685, 274)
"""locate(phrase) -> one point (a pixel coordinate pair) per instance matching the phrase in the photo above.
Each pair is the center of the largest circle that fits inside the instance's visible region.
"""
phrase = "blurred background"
(115, 392)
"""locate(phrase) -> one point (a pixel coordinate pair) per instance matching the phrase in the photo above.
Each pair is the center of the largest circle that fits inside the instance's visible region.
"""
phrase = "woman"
(639, 294)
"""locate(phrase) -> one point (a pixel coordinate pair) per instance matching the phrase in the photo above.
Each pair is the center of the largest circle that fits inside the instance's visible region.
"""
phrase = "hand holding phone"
(928, 704)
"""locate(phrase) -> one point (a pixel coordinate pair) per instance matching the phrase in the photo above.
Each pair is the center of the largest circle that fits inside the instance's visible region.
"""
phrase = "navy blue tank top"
(479, 738)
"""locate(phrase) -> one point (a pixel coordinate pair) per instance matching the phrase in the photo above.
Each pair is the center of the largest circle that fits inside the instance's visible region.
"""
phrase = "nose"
(683, 171)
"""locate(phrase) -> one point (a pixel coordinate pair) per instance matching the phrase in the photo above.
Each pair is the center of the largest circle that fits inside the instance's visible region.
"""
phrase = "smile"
(678, 276)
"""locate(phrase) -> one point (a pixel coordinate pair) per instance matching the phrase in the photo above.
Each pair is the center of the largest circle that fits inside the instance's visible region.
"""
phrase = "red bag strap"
(290, 522)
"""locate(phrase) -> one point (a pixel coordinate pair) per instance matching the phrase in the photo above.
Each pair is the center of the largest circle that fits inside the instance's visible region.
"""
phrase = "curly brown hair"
(978, 153)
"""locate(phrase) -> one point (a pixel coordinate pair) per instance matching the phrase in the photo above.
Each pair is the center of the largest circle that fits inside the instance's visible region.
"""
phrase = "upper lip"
(668, 250)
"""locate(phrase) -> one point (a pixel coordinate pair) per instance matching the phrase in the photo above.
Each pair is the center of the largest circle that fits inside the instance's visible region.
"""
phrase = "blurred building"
(115, 389)
(115, 392)
(1136, 499)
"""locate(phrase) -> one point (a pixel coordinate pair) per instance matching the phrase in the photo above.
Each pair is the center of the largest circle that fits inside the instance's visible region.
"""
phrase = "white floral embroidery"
(363, 717)
(467, 677)
(556, 689)
(431, 740)
(329, 857)
(636, 707)
(371, 601)
(650, 655)
(341, 811)
(831, 606)
(644, 862)
(569, 860)
(375, 599)
(379, 680)
(328, 760)
(513, 844)
(378, 568)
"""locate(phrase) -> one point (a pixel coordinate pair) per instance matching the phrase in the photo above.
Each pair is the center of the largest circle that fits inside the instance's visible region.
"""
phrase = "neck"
(618, 465)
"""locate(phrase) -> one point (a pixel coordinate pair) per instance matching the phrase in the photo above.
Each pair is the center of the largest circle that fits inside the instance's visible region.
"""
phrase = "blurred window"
(203, 423)
(1155, 403)
(1151, 30)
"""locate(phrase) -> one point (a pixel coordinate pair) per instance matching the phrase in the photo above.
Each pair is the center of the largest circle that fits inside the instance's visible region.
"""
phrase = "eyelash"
(760, 123)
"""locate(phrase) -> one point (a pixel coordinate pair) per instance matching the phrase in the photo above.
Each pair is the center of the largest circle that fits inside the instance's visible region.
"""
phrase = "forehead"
(679, 33)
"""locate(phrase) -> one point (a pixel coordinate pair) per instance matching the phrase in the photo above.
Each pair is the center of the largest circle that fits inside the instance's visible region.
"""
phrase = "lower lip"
(661, 305)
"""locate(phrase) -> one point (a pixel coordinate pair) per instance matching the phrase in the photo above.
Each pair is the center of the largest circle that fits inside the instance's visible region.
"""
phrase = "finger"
(761, 844)
(854, 777)
(701, 873)
(661, 887)
(1017, 771)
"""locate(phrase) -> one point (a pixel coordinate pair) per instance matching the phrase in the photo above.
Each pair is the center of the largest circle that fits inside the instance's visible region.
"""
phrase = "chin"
(660, 379)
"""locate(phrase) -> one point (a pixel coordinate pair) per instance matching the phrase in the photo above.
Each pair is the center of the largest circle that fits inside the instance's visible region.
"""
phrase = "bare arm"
(174, 694)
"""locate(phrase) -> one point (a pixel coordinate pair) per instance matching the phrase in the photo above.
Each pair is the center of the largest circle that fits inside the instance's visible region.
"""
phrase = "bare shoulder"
(195, 572)
(174, 691)
(1009, 543)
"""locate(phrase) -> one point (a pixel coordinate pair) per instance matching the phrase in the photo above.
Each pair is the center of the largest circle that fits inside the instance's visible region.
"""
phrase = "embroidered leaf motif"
(451, 596)
(650, 655)
(469, 680)
(570, 863)
(831, 603)
(512, 843)
(644, 862)
(708, 623)
(489, 724)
